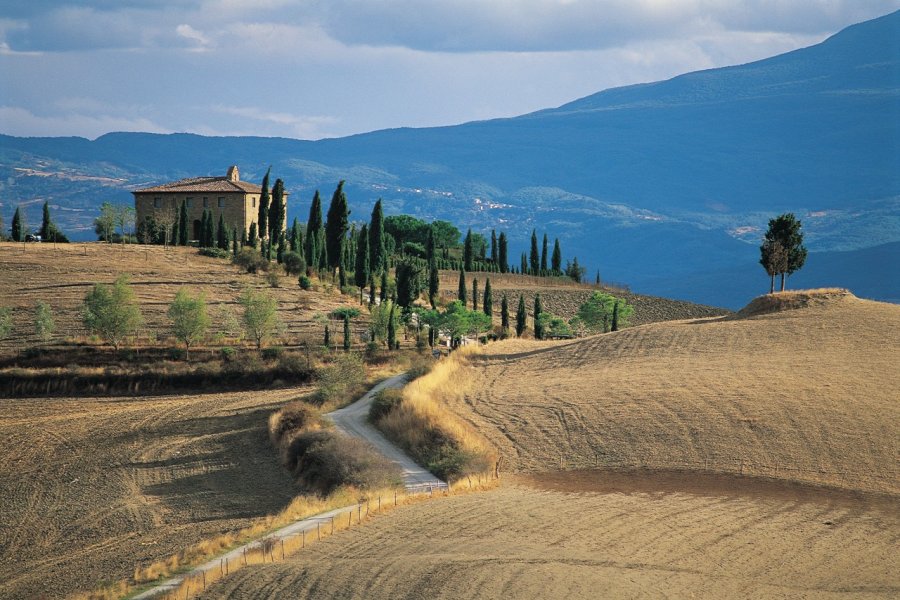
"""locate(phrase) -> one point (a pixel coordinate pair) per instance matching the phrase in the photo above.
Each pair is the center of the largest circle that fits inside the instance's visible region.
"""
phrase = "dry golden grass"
(423, 411)
(807, 395)
(61, 275)
(585, 539)
(93, 488)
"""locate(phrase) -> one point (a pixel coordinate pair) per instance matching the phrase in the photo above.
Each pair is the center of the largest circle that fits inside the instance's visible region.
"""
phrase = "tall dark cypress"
(234, 242)
(544, 256)
(475, 294)
(502, 253)
(468, 253)
(46, 223)
(535, 263)
(282, 243)
(504, 314)
(521, 316)
(461, 291)
(208, 233)
(296, 239)
(383, 294)
(361, 266)
(252, 236)
(391, 331)
(313, 228)
(494, 251)
(16, 230)
(377, 258)
(202, 238)
(263, 215)
(434, 282)
(487, 304)
(538, 326)
(336, 226)
(183, 225)
(346, 332)
(523, 268)
(276, 211)
(615, 316)
(429, 245)
(556, 261)
(222, 233)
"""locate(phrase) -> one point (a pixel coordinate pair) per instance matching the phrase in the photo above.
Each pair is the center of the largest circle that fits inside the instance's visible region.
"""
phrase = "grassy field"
(752, 456)
(93, 488)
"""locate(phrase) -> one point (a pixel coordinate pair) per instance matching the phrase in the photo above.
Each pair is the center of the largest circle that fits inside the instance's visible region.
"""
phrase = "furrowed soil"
(92, 487)
(575, 536)
(752, 456)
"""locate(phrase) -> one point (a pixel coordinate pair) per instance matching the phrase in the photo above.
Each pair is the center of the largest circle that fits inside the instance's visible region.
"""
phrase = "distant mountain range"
(664, 186)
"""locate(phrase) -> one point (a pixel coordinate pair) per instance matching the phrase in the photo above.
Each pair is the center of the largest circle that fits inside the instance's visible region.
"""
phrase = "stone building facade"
(236, 200)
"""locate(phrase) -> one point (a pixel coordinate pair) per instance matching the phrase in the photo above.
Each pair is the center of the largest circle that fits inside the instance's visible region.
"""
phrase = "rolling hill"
(652, 184)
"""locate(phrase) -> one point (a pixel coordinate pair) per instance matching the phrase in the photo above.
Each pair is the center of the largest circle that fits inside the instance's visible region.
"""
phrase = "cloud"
(189, 33)
(291, 125)
(15, 120)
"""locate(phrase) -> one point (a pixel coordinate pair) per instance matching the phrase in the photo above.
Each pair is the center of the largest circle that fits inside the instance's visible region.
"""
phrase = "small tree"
(260, 315)
(252, 236)
(615, 317)
(434, 282)
(347, 332)
(17, 230)
(461, 292)
(468, 253)
(556, 260)
(535, 257)
(487, 304)
(183, 225)
(111, 312)
(105, 224)
(125, 220)
(503, 253)
(474, 294)
(46, 222)
(773, 259)
(189, 317)
(409, 284)
(504, 315)
(262, 217)
(6, 324)
(521, 316)
(596, 313)
(221, 233)
(538, 323)
(785, 230)
(43, 322)
(391, 330)
(544, 256)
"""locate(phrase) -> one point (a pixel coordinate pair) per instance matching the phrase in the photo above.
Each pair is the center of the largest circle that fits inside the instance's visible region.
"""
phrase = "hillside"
(807, 394)
(653, 184)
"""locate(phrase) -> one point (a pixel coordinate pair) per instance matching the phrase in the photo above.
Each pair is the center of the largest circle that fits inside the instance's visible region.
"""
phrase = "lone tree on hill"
(111, 312)
(190, 320)
(521, 316)
(785, 231)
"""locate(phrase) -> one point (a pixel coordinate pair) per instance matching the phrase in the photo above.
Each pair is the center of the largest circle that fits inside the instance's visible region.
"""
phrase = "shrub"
(304, 282)
(384, 402)
(112, 311)
(295, 417)
(228, 353)
(273, 279)
(338, 380)
(214, 252)
(330, 461)
(251, 260)
(272, 353)
(294, 263)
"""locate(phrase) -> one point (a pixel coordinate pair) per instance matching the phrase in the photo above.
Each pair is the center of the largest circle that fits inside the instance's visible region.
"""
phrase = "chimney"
(233, 173)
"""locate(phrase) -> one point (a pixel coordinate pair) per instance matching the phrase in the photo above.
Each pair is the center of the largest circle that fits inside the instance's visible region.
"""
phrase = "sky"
(312, 69)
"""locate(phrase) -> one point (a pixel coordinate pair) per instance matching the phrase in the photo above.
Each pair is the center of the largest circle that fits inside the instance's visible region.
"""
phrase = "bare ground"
(579, 535)
(93, 487)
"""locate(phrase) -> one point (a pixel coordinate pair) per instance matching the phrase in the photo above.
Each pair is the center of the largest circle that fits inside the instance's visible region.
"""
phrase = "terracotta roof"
(204, 184)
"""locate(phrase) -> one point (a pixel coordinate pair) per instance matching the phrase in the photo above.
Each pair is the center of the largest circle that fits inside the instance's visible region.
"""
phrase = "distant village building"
(236, 200)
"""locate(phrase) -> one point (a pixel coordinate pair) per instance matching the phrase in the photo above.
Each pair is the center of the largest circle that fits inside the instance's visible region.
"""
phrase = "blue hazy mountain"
(659, 185)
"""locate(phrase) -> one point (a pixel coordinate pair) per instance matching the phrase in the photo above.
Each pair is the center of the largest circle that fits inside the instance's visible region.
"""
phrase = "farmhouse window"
(205, 202)
(254, 201)
(189, 201)
(221, 201)
(157, 202)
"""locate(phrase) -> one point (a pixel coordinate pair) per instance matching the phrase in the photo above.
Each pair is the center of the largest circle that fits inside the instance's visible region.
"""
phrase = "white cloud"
(189, 33)
(15, 120)
(301, 126)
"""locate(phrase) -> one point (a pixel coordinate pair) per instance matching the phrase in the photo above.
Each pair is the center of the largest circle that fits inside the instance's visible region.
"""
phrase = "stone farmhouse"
(236, 200)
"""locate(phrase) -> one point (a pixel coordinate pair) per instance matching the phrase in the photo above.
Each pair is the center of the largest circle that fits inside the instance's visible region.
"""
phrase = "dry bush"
(435, 436)
(384, 402)
(329, 461)
(341, 380)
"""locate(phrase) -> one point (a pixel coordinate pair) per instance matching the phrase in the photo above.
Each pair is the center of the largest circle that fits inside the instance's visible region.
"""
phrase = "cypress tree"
(521, 315)
(183, 225)
(502, 253)
(494, 252)
(276, 211)
(544, 256)
(556, 261)
(523, 268)
(326, 341)
(263, 216)
(346, 332)
(598, 277)
(202, 238)
(434, 282)
(468, 253)
(535, 263)
(336, 226)
(615, 316)
(538, 309)
(487, 304)
(251, 239)
(281, 247)
(208, 234)
(429, 245)
(371, 290)
(504, 314)
(244, 236)
(16, 228)
(234, 242)
(313, 229)
(361, 266)
(474, 294)
(377, 258)
(391, 331)
(45, 223)
(384, 285)
(461, 291)
(222, 233)
(296, 237)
